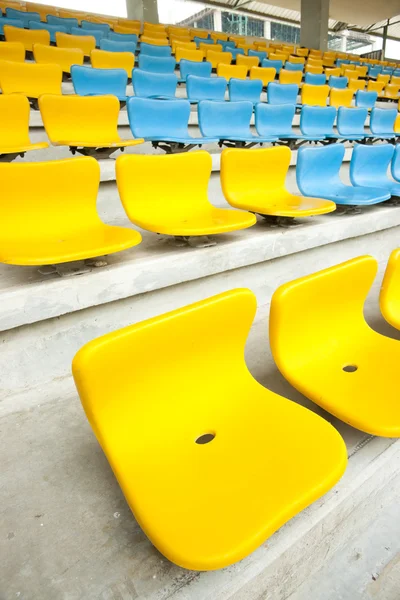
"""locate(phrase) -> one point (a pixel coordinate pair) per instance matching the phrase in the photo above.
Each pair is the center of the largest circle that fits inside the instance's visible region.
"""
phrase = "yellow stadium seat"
(127, 29)
(86, 43)
(175, 202)
(161, 35)
(198, 33)
(67, 14)
(375, 86)
(330, 354)
(215, 58)
(14, 131)
(361, 70)
(49, 214)
(302, 51)
(101, 59)
(389, 298)
(395, 79)
(229, 71)
(245, 46)
(260, 45)
(218, 35)
(329, 62)
(391, 91)
(315, 62)
(41, 9)
(187, 45)
(288, 49)
(129, 23)
(159, 27)
(314, 69)
(14, 51)
(64, 57)
(336, 72)
(30, 79)
(341, 97)
(383, 79)
(87, 124)
(178, 31)
(315, 53)
(299, 60)
(210, 462)
(351, 74)
(346, 67)
(254, 180)
(275, 45)
(265, 74)
(146, 39)
(278, 56)
(290, 76)
(316, 95)
(27, 37)
(188, 54)
(356, 84)
(247, 61)
(215, 47)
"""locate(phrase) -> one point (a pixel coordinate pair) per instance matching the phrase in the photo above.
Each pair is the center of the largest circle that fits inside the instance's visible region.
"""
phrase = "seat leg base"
(10, 157)
(342, 210)
(97, 153)
(194, 241)
(276, 221)
(77, 267)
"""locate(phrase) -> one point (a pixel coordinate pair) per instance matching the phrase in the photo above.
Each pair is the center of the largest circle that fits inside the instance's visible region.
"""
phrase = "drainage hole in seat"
(206, 438)
(350, 368)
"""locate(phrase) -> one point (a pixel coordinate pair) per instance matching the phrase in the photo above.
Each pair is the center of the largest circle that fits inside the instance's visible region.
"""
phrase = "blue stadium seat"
(279, 93)
(274, 64)
(351, 121)
(235, 52)
(289, 66)
(374, 71)
(63, 22)
(317, 122)
(155, 50)
(338, 82)
(342, 61)
(275, 120)
(157, 64)
(25, 17)
(199, 40)
(192, 67)
(88, 25)
(154, 85)
(387, 71)
(382, 123)
(396, 163)
(123, 37)
(261, 55)
(113, 46)
(164, 123)
(227, 46)
(205, 88)
(13, 22)
(245, 89)
(88, 81)
(315, 79)
(96, 33)
(52, 29)
(369, 167)
(317, 175)
(366, 99)
(229, 122)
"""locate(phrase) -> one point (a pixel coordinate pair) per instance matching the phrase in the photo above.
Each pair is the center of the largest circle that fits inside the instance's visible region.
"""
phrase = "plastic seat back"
(390, 290)
(85, 119)
(199, 69)
(317, 120)
(123, 38)
(334, 72)
(101, 59)
(318, 169)
(12, 22)
(97, 34)
(26, 36)
(260, 55)
(88, 81)
(236, 52)
(351, 121)
(117, 46)
(341, 97)
(152, 50)
(104, 27)
(30, 79)
(396, 163)
(382, 121)
(290, 66)
(147, 85)
(392, 91)
(288, 77)
(282, 94)
(188, 54)
(248, 61)
(14, 129)
(24, 16)
(369, 165)
(68, 23)
(229, 71)
(375, 86)
(240, 90)
(52, 29)
(265, 75)
(219, 119)
(274, 119)
(14, 51)
(338, 82)
(383, 78)
(64, 57)
(315, 95)
(356, 84)
(157, 64)
(205, 88)
(84, 43)
(366, 99)
(274, 64)
(157, 118)
(314, 79)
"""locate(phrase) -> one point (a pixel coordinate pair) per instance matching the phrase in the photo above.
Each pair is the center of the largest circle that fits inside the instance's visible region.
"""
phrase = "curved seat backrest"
(157, 64)
(84, 43)
(275, 64)
(274, 119)
(369, 164)
(264, 74)
(382, 120)
(123, 37)
(288, 77)
(290, 66)
(248, 61)
(188, 54)
(64, 57)
(95, 26)
(14, 51)
(314, 79)
(97, 34)
(279, 93)
(56, 198)
(317, 120)
(318, 168)
(14, 129)
(80, 118)
(154, 118)
(68, 23)
(375, 86)
(199, 69)
(88, 80)
(219, 119)
(146, 84)
(24, 16)
(366, 99)
(259, 53)
(315, 95)
(390, 289)
(338, 82)
(248, 89)
(396, 163)
(52, 29)
(13, 22)
(102, 59)
(155, 50)
(340, 97)
(28, 37)
(30, 78)
(179, 192)
(351, 121)
(229, 71)
(116, 46)
(205, 88)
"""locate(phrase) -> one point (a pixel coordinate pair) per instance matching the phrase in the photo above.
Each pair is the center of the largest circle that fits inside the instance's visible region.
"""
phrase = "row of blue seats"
(166, 122)
(147, 84)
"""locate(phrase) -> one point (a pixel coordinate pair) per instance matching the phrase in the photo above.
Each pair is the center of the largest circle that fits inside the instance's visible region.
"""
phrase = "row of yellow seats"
(210, 461)
(49, 209)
